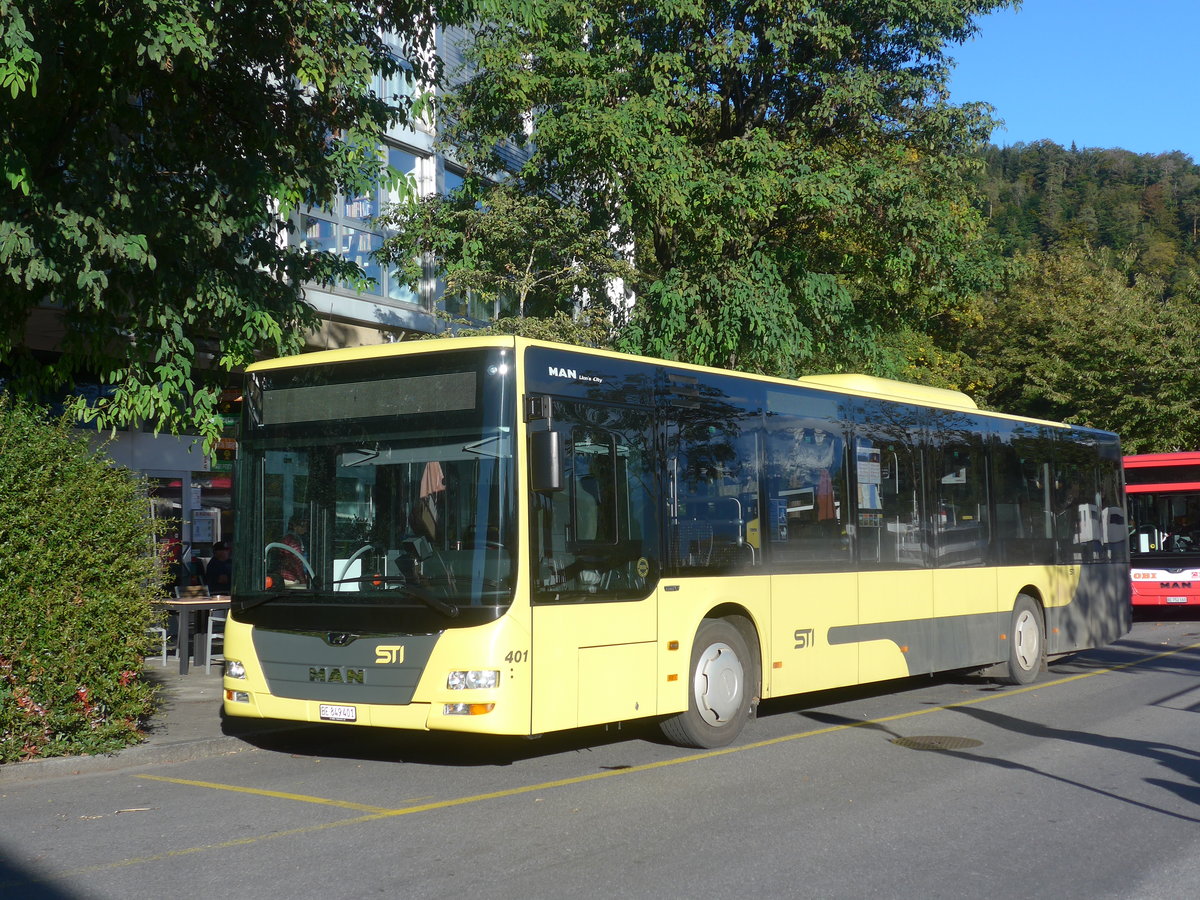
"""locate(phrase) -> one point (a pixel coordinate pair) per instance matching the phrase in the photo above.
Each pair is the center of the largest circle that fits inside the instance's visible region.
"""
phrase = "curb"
(146, 754)
(139, 755)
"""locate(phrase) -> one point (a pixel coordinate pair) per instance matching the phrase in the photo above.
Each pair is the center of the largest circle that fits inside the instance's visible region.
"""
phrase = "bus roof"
(844, 383)
(896, 390)
(1154, 460)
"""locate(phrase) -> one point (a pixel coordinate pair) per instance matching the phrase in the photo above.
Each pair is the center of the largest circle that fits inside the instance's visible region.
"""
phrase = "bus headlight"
(234, 669)
(472, 680)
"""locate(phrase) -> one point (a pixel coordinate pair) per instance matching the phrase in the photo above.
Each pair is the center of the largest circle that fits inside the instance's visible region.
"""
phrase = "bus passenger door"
(968, 617)
(895, 582)
(595, 565)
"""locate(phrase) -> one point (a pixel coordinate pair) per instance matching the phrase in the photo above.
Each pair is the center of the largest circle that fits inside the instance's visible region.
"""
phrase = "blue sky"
(1101, 73)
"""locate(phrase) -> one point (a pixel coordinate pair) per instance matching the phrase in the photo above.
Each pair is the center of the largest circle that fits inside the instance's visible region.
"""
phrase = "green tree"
(1041, 196)
(516, 256)
(1071, 336)
(151, 153)
(787, 180)
(78, 573)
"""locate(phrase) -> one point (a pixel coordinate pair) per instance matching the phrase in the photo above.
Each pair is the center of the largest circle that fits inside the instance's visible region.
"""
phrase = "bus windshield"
(1165, 523)
(380, 489)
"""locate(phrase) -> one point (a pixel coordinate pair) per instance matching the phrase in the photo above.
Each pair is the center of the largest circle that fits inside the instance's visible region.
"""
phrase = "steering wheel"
(348, 563)
(276, 545)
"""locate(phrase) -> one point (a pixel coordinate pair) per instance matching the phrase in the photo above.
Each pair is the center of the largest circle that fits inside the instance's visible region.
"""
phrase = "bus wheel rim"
(719, 684)
(1025, 640)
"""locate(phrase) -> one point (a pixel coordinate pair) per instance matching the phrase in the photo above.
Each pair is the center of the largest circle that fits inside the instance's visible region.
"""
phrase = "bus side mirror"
(545, 454)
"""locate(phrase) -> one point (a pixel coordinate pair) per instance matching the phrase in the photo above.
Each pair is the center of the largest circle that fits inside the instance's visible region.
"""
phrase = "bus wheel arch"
(1026, 639)
(740, 618)
(724, 676)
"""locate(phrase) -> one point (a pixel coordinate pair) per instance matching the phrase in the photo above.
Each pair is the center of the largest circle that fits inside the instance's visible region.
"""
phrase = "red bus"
(1163, 491)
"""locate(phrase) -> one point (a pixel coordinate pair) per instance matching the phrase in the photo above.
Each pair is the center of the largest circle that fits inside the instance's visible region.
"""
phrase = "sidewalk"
(187, 725)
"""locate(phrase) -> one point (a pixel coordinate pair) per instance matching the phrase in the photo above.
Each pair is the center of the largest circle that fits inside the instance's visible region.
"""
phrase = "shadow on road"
(18, 882)
(429, 748)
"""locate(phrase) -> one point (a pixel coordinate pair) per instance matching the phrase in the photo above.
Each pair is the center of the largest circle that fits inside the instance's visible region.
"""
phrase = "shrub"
(77, 576)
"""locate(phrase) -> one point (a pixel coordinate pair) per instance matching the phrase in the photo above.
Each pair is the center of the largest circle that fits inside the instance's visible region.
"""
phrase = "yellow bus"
(505, 536)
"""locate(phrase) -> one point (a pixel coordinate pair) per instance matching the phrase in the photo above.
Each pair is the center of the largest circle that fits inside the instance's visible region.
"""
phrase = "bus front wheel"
(1026, 642)
(722, 689)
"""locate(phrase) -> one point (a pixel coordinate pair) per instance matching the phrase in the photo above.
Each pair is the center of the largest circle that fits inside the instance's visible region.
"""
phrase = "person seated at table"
(219, 574)
(183, 569)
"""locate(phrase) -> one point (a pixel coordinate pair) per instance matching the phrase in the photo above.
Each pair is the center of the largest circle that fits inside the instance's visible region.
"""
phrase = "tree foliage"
(78, 573)
(1074, 335)
(1097, 320)
(516, 256)
(590, 327)
(1042, 196)
(787, 180)
(149, 151)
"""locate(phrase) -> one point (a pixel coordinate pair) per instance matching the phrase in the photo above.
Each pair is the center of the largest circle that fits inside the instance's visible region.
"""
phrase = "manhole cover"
(936, 742)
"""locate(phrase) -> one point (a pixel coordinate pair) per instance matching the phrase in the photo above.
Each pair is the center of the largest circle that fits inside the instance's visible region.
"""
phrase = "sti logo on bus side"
(572, 374)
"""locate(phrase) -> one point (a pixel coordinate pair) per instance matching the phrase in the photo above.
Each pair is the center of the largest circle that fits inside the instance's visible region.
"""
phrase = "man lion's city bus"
(504, 536)
(1163, 492)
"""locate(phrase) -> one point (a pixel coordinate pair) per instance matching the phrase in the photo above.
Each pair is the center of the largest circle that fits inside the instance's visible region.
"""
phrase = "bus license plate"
(333, 713)
(1177, 599)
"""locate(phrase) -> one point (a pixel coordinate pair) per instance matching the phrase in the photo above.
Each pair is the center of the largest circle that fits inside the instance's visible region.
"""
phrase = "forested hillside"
(1096, 317)
(1042, 196)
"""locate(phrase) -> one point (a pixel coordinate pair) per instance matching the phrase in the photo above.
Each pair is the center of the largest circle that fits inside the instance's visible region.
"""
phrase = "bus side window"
(592, 537)
(806, 490)
(713, 475)
(891, 524)
(1021, 486)
(1077, 510)
(961, 519)
(593, 487)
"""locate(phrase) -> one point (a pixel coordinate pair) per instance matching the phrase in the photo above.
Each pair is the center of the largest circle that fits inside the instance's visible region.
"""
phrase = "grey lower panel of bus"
(934, 645)
(339, 668)
(1099, 613)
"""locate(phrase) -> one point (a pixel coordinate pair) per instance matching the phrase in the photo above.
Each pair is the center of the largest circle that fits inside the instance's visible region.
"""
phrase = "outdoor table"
(189, 609)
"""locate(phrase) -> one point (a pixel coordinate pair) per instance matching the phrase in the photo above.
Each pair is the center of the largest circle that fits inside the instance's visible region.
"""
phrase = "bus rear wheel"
(1026, 641)
(722, 689)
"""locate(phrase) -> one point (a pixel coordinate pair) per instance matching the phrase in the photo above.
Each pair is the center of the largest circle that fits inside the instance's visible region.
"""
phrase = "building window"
(347, 228)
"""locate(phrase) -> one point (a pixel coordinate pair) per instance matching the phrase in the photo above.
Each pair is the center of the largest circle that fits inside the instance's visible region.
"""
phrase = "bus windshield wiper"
(412, 590)
(405, 587)
(269, 598)
(279, 595)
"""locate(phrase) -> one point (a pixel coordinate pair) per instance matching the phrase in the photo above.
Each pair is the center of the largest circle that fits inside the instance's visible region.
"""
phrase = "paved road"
(1085, 784)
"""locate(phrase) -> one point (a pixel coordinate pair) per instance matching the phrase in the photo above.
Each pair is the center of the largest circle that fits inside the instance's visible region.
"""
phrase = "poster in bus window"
(779, 517)
(870, 475)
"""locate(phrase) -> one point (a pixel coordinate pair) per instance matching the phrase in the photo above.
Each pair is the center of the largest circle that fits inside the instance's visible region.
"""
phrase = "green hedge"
(77, 576)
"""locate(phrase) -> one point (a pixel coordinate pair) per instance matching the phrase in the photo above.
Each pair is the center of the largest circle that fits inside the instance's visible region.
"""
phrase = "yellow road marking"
(281, 795)
(377, 813)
